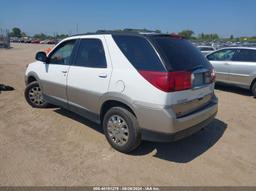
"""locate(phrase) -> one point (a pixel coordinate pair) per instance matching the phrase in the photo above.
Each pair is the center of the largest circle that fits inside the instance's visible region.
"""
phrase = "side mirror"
(41, 56)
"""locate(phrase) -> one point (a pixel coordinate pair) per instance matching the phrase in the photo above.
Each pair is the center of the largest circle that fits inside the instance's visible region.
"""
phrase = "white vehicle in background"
(206, 49)
(236, 66)
(138, 87)
(44, 42)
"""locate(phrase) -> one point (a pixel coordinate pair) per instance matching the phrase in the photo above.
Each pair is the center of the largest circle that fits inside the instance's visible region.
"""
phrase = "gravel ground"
(45, 147)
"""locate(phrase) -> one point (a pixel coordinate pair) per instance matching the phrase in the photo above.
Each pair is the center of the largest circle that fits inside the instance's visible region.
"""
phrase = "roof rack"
(119, 32)
(134, 33)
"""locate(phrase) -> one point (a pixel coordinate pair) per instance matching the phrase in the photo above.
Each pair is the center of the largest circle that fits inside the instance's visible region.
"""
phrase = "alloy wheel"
(117, 130)
(35, 96)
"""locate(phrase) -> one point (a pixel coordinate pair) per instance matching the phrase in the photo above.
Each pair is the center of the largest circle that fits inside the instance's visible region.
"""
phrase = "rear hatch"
(173, 65)
(179, 54)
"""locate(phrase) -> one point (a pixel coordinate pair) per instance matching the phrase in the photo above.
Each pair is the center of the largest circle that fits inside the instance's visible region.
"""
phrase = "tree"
(208, 37)
(61, 36)
(187, 33)
(16, 32)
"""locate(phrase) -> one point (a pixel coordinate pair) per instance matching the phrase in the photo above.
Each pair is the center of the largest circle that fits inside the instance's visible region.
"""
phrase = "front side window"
(222, 55)
(244, 55)
(62, 54)
(91, 54)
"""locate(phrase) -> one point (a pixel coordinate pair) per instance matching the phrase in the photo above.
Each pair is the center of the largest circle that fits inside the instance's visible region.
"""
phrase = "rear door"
(221, 61)
(242, 66)
(89, 77)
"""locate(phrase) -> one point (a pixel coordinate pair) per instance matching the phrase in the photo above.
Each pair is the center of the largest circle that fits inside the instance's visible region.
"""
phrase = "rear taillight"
(169, 81)
(213, 75)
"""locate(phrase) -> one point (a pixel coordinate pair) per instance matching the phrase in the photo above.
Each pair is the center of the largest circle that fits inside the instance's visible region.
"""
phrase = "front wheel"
(121, 129)
(34, 96)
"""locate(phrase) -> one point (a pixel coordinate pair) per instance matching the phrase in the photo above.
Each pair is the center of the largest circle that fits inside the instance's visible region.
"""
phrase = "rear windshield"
(179, 54)
(139, 52)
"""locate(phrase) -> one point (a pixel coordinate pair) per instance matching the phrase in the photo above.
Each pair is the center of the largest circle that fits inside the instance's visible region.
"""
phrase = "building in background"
(4, 38)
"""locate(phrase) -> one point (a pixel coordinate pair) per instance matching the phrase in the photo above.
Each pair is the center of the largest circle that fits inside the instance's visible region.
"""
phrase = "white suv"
(153, 87)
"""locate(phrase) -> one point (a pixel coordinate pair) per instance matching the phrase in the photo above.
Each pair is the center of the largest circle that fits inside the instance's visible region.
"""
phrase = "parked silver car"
(235, 66)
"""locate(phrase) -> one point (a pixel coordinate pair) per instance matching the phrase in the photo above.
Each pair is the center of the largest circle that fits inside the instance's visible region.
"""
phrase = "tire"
(128, 129)
(254, 89)
(34, 97)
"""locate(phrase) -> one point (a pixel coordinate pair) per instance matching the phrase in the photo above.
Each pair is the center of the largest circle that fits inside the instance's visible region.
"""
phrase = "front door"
(54, 76)
(242, 67)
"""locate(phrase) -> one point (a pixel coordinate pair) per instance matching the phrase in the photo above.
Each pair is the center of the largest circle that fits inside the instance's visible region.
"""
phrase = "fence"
(4, 38)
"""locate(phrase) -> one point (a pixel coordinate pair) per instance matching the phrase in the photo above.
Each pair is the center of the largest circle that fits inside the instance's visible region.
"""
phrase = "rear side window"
(222, 55)
(139, 52)
(244, 55)
(179, 54)
(91, 54)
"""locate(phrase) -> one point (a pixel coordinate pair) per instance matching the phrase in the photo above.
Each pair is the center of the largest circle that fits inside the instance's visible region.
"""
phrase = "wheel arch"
(109, 103)
(31, 77)
(253, 82)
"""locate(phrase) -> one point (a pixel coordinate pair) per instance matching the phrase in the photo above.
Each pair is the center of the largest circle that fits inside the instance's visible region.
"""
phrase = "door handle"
(64, 72)
(226, 64)
(103, 75)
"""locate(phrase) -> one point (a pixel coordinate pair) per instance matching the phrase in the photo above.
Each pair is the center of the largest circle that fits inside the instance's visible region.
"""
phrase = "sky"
(225, 17)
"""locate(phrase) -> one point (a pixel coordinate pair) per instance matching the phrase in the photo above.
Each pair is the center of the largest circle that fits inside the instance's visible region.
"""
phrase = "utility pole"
(76, 28)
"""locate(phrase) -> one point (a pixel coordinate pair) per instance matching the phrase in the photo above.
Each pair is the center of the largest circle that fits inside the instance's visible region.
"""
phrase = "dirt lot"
(56, 147)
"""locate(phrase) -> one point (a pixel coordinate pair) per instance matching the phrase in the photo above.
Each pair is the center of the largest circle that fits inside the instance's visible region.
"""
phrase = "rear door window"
(179, 54)
(91, 54)
(139, 52)
(244, 55)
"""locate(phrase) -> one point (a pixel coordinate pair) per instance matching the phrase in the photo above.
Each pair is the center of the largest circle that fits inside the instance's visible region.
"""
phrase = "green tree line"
(188, 34)
(17, 32)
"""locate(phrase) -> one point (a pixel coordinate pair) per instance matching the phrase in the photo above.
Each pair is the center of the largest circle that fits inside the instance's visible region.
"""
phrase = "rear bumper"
(162, 125)
(170, 137)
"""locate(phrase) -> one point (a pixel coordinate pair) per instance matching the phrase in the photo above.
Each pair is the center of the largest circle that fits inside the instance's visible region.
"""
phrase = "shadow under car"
(181, 151)
(232, 89)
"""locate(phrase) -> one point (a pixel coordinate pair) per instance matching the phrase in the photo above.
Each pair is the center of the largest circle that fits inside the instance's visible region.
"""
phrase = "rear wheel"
(254, 89)
(34, 96)
(121, 129)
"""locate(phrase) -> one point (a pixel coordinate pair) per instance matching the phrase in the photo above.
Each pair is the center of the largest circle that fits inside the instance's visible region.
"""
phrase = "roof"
(205, 46)
(142, 34)
(107, 33)
(241, 47)
(130, 33)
